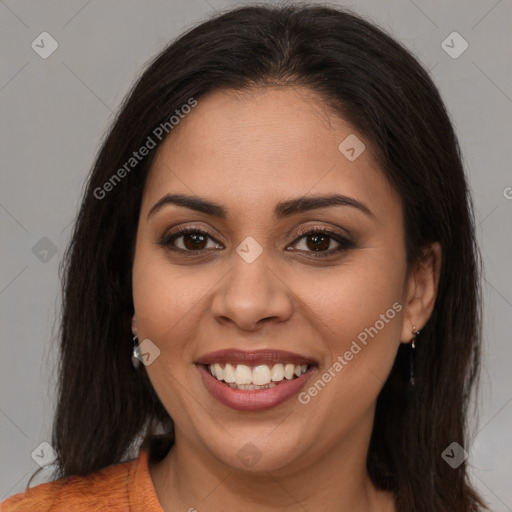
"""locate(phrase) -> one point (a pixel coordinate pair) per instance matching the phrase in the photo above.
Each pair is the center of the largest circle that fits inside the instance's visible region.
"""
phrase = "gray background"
(54, 112)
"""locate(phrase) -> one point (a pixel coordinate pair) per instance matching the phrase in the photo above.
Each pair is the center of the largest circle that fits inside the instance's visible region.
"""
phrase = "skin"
(248, 151)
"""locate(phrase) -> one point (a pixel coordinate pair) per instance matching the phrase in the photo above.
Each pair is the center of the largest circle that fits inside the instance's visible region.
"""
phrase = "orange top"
(118, 488)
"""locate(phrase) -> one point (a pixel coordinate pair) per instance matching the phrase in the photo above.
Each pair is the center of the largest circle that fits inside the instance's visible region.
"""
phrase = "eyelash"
(167, 240)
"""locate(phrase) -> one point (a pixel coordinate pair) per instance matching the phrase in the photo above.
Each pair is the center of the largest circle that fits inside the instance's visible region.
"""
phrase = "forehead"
(255, 147)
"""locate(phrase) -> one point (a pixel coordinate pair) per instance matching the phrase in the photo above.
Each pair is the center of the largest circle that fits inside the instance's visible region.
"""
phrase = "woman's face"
(336, 303)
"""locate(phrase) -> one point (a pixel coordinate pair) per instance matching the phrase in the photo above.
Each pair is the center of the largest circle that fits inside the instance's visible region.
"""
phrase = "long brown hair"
(105, 407)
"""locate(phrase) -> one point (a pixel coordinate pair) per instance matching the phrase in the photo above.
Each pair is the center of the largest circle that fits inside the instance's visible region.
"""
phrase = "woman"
(271, 295)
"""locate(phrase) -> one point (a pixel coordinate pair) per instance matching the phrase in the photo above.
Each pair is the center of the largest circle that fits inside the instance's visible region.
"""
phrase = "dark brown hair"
(105, 407)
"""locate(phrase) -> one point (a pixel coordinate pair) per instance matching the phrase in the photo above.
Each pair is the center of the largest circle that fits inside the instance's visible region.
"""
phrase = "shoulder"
(107, 489)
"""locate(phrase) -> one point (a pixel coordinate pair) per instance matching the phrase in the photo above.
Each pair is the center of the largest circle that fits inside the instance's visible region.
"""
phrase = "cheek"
(164, 299)
(349, 300)
(358, 310)
(165, 294)
(361, 312)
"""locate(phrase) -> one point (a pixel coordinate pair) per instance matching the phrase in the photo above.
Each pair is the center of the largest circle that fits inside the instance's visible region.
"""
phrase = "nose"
(251, 295)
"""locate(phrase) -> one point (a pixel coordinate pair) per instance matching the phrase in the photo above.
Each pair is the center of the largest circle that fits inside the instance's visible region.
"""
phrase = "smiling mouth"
(263, 376)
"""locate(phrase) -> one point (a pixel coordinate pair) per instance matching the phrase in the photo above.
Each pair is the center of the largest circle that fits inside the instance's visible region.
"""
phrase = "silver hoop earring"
(135, 353)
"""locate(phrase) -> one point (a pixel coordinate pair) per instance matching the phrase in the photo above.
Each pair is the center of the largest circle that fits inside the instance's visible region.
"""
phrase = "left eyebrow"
(282, 210)
(307, 203)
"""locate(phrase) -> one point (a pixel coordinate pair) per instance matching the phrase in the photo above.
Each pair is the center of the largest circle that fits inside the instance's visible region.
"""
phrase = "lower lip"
(256, 399)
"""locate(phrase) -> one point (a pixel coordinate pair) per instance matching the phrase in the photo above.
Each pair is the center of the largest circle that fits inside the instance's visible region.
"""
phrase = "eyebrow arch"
(281, 210)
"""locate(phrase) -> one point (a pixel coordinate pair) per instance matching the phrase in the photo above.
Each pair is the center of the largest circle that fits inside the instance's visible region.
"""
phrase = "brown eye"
(194, 241)
(188, 240)
(318, 240)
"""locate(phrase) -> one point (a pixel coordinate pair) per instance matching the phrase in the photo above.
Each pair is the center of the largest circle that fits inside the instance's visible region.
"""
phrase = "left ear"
(135, 329)
(421, 290)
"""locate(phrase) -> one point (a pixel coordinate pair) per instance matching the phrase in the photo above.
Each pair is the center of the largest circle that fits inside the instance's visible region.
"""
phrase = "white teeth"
(250, 387)
(299, 370)
(219, 372)
(289, 370)
(277, 372)
(261, 375)
(241, 376)
(229, 373)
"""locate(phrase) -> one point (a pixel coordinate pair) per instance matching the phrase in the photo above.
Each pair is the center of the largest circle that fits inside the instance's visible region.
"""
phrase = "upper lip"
(254, 357)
